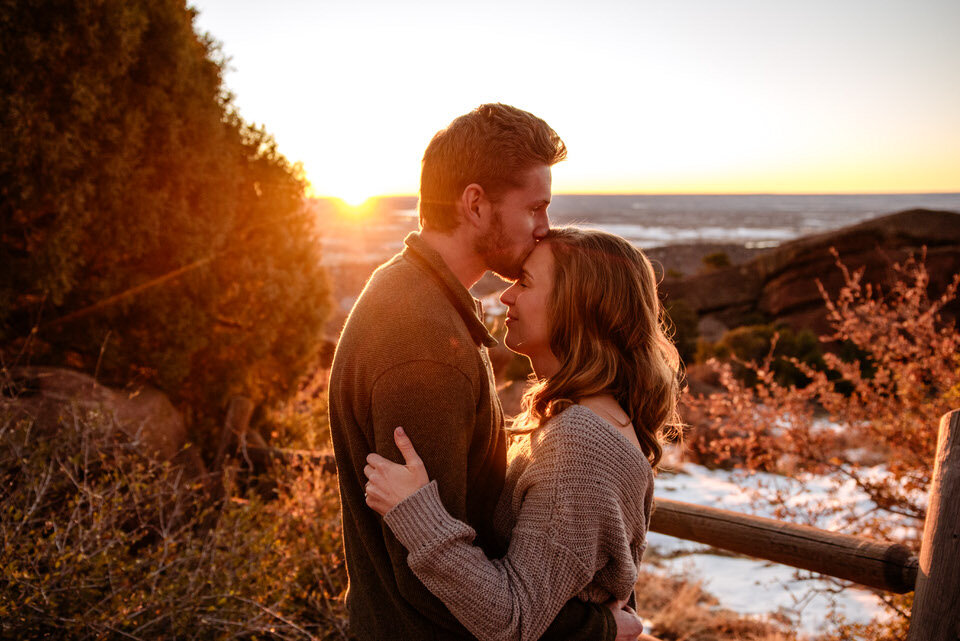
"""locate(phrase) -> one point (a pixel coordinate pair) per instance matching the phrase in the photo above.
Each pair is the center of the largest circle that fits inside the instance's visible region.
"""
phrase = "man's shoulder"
(403, 314)
(394, 276)
(401, 295)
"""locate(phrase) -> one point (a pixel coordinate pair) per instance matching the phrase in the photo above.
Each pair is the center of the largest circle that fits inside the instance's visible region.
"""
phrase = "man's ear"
(474, 205)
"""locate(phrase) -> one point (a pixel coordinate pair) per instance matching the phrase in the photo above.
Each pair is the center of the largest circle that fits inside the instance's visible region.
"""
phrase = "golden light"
(355, 198)
(352, 194)
(355, 209)
(851, 113)
(352, 202)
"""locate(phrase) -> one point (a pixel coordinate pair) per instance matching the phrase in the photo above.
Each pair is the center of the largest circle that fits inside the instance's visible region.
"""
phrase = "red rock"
(48, 395)
(781, 284)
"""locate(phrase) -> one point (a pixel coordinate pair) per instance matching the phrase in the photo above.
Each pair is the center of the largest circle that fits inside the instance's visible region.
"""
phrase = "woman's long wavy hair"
(608, 333)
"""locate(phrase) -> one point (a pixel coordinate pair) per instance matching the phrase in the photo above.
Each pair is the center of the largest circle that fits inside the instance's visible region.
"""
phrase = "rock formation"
(49, 395)
(781, 284)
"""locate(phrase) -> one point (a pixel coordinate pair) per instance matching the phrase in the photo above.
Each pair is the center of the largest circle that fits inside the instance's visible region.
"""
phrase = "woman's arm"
(555, 548)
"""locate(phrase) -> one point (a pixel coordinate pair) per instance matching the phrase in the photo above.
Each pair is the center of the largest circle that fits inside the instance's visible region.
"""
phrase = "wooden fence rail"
(884, 566)
(935, 576)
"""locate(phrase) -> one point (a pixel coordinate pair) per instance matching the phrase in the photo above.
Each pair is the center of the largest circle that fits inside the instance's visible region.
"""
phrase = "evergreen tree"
(146, 231)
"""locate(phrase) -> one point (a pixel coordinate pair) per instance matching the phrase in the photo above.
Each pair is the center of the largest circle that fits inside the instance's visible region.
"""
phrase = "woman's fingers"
(390, 483)
(375, 459)
(406, 448)
(377, 498)
(377, 504)
(377, 462)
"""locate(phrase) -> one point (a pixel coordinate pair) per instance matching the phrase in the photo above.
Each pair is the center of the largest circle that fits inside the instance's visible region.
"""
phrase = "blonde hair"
(608, 333)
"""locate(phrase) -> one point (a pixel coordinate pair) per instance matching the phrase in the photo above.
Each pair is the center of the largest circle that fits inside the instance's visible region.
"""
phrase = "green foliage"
(683, 323)
(716, 260)
(103, 542)
(753, 343)
(123, 162)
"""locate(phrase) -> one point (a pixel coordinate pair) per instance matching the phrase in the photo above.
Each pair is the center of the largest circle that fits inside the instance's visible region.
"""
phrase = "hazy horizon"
(688, 97)
(689, 193)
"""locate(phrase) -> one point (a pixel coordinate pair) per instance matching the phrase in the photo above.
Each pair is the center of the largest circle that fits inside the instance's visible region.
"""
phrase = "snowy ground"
(752, 586)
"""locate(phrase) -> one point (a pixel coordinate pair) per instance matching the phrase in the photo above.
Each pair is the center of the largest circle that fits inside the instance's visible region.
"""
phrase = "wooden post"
(936, 603)
(238, 419)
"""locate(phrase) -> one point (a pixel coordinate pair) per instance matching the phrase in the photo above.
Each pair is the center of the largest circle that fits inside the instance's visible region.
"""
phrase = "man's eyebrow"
(541, 203)
(526, 275)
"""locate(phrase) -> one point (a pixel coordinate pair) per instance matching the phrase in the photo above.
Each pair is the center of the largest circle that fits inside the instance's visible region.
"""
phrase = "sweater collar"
(469, 308)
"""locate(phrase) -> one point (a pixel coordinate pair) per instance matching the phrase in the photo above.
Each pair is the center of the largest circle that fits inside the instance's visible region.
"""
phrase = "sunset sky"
(672, 96)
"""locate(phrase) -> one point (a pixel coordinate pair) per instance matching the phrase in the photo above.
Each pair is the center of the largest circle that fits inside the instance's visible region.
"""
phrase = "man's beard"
(492, 247)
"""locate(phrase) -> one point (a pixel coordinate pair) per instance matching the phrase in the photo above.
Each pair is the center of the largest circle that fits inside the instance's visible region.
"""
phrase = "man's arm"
(436, 406)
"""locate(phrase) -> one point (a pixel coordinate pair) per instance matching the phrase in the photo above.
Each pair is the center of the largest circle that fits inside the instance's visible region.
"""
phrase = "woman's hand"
(388, 483)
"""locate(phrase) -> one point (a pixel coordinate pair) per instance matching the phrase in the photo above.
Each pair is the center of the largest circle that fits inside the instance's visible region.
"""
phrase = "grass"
(103, 542)
(100, 541)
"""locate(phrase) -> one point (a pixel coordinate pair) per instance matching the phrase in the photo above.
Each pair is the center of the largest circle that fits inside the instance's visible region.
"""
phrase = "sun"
(355, 198)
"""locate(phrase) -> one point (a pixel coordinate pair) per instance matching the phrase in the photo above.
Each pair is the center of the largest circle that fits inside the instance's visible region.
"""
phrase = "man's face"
(518, 221)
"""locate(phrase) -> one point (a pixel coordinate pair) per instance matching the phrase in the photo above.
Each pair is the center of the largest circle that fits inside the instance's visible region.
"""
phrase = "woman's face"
(527, 301)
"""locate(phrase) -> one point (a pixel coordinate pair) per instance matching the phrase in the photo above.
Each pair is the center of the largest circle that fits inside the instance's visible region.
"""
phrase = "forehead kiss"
(517, 220)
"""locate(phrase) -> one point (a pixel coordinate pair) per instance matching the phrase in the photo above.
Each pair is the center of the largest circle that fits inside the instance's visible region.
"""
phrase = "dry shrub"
(101, 541)
(894, 629)
(680, 610)
(301, 421)
(886, 403)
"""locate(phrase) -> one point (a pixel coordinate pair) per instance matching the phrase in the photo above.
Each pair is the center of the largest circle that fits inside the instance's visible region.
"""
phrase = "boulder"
(145, 415)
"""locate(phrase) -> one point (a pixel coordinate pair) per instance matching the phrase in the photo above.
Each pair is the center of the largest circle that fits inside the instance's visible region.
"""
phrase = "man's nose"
(542, 226)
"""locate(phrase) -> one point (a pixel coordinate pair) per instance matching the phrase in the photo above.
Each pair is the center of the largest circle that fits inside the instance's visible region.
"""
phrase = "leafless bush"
(869, 421)
(101, 541)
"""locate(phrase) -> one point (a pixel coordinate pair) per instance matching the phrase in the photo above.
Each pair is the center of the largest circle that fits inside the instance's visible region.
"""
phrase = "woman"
(579, 489)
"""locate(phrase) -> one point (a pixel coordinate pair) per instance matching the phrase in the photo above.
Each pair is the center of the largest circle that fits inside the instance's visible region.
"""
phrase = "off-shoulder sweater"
(575, 509)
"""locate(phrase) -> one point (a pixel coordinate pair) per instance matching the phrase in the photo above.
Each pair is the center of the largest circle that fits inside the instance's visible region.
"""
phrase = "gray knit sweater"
(575, 510)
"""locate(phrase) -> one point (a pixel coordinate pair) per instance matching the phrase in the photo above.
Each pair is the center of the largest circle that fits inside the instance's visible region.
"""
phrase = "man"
(414, 353)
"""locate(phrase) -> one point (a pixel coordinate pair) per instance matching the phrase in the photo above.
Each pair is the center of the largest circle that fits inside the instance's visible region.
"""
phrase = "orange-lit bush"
(147, 232)
(871, 421)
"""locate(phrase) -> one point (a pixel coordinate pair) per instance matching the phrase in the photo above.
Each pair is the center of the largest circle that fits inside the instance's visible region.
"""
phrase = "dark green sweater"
(414, 353)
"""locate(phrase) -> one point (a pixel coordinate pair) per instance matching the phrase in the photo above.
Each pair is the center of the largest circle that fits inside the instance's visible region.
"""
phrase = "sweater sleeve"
(556, 547)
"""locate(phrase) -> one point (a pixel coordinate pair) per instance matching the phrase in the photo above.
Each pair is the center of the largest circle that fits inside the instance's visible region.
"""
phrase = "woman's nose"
(508, 297)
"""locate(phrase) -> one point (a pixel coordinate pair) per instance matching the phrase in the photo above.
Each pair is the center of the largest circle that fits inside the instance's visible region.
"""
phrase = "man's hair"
(492, 146)
(607, 329)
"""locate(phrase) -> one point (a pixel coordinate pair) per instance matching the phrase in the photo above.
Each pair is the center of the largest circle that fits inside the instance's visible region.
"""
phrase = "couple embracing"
(457, 526)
